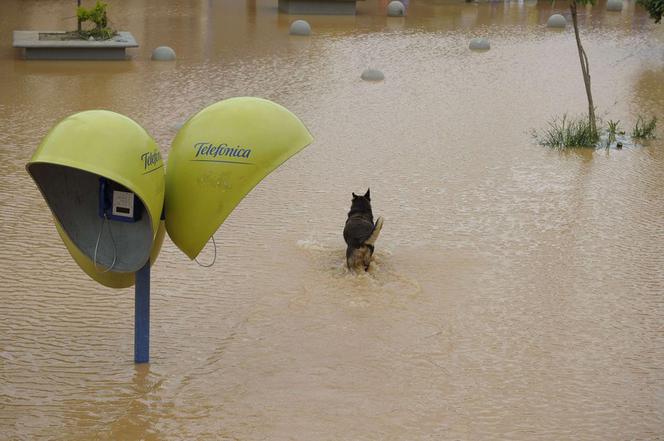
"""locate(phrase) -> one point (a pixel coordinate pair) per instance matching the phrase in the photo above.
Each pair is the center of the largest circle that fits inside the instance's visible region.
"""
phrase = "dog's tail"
(376, 231)
(362, 256)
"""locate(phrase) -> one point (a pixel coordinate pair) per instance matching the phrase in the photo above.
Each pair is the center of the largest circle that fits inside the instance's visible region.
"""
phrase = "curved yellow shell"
(67, 166)
(217, 157)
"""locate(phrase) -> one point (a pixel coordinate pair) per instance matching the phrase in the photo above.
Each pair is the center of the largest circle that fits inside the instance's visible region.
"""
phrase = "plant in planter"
(96, 15)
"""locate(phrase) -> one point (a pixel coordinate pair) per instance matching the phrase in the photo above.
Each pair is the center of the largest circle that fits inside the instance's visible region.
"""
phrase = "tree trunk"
(78, 2)
(585, 69)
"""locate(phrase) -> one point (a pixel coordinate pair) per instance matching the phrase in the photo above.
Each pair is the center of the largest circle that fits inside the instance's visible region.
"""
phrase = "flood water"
(517, 291)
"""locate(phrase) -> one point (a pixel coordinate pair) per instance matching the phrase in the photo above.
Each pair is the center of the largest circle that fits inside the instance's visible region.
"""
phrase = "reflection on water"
(516, 292)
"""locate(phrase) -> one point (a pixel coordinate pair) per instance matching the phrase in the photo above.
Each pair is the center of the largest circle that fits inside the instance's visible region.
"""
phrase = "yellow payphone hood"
(67, 166)
(217, 157)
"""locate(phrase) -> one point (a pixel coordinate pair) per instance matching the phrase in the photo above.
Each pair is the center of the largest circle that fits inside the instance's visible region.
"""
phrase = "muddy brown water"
(517, 291)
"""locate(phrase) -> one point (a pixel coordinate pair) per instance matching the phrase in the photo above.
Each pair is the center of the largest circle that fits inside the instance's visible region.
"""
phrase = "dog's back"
(360, 232)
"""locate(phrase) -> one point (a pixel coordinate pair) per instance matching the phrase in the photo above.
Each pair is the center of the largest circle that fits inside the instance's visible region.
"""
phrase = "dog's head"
(361, 203)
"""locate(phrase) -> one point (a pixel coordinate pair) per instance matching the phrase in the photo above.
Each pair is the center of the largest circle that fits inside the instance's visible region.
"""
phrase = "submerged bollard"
(163, 53)
(300, 27)
(479, 44)
(556, 21)
(372, 75)
(614, 5)
(396, 9)
(142, 315)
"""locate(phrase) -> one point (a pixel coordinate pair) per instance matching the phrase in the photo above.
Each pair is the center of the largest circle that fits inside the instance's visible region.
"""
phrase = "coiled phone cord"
(215, 256)
(115, 250)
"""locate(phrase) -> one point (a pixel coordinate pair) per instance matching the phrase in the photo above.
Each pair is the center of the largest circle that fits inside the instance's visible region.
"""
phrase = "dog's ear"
(355, 196)
(367, 195)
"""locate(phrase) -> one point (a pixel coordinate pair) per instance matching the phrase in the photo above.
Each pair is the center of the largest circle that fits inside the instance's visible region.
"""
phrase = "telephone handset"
(118, 203)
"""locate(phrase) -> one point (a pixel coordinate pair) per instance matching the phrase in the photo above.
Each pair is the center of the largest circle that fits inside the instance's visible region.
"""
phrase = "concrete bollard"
(396, 9)
(372, 75)
(614, 5)
(163, 53)
(480, 44)
(300, 27)
(556, 21)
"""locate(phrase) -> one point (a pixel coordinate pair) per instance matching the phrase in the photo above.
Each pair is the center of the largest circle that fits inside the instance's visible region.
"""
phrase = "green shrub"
(644, 129)
(612, 131)
(98, 16)
(564, 132)
(654, 7)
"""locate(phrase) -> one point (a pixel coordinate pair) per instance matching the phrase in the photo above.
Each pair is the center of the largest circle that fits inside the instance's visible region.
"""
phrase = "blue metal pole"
(142, 315)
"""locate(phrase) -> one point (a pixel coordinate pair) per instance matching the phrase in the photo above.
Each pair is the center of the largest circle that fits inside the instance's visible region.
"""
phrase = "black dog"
(360, 232)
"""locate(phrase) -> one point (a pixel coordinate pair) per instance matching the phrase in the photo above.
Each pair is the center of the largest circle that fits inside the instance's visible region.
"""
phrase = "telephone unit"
(116, 202)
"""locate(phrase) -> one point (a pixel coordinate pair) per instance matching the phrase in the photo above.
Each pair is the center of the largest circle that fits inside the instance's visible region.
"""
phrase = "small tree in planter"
(96, 15)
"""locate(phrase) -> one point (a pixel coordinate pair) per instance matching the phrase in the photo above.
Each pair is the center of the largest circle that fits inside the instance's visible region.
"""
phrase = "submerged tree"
(585, 68)
(97, 15)
(654, 7)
